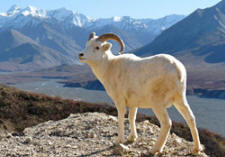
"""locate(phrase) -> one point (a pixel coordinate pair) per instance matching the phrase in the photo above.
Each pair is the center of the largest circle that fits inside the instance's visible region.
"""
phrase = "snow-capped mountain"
(142, 30)
(18, 17)
(64, 32)
(128, 23)
(69, 17)
(145, 30)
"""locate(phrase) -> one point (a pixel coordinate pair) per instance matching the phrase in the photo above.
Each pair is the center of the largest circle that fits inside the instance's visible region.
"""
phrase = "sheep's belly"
(140, 101)
(152, 96)
(147, 101)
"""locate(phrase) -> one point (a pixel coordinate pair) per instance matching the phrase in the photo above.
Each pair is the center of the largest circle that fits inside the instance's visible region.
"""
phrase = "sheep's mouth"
(82, 58)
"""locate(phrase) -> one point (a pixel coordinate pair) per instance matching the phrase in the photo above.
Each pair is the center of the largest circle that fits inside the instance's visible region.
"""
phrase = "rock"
(92, 135)
(121, 149)
(9, 135)
(28, 140)
(89, 134)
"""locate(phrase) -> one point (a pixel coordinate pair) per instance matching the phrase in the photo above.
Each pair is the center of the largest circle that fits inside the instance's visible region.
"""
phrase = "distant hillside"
(202, 34)
(20, 109)
(23, 53)
(130, 41)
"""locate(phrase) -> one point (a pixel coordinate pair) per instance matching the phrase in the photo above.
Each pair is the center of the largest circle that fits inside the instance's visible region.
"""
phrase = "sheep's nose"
(81, 54)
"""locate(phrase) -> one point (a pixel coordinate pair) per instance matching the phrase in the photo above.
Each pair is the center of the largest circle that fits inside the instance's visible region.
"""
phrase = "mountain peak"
(31, 8)
(222, 2)
(60, 14)
(13, 10)
(68, 18)
(33, 11)
(221, 5)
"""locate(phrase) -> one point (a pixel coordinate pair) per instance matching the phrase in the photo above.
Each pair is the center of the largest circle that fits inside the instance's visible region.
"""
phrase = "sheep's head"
(96, 47)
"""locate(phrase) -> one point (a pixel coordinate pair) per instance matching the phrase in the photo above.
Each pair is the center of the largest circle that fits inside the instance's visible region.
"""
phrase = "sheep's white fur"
(153, 82)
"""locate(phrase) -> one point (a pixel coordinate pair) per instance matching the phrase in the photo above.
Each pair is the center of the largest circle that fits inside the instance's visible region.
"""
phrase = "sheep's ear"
(106, 47)
(92, 35)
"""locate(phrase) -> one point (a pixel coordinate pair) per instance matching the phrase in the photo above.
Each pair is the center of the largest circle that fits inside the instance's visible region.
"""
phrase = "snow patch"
(33, 12)
(117, 19)
(13, 10)
(163, 28)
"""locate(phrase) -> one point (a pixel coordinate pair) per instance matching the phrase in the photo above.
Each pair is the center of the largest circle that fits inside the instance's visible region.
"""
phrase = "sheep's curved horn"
(91, 35)
(110, 36)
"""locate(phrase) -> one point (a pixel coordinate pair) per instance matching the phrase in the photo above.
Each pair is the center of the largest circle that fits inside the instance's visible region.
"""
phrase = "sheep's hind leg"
(132, 117)
(165, 123)
(183, 107)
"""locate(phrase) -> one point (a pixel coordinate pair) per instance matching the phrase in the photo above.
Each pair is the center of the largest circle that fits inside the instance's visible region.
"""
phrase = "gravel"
(88, 134)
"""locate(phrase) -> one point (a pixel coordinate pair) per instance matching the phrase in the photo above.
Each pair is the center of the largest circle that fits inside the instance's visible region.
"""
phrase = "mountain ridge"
(62, 32)
(81, 20)
(201, 33)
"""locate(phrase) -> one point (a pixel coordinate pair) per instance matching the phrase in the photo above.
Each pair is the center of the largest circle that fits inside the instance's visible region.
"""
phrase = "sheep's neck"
(101, 68)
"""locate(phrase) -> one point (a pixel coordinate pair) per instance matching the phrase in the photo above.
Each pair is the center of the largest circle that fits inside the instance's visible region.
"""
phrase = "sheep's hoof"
(120, 141)
(132, 138)
(197, 151)
(156, 150)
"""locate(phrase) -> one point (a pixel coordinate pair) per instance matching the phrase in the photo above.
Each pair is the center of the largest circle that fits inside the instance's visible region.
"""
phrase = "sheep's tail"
(181, 74)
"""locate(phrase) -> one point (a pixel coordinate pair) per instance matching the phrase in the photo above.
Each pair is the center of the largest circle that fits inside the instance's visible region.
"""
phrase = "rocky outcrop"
(88, 134)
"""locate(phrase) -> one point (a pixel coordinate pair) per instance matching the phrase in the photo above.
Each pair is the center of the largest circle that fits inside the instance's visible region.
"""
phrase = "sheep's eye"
(97, 48)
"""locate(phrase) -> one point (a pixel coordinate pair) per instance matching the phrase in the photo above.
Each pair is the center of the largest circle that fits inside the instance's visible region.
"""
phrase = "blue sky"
(109, 8)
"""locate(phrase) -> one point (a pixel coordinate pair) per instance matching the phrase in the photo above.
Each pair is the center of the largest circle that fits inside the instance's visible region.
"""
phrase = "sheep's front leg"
(165, 123)
(121, 113)
(132, 117)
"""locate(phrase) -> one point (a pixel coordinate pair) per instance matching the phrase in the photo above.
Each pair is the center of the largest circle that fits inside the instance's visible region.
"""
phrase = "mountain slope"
(24, 53)
(144, 30)
(12, 38)
(130, 41)
(55, 37)
(202, 33)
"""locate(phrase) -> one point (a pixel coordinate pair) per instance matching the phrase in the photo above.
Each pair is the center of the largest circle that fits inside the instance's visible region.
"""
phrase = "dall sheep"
(154, 82)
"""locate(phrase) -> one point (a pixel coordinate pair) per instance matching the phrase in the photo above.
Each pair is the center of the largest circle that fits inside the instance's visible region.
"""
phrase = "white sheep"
(154, 82)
